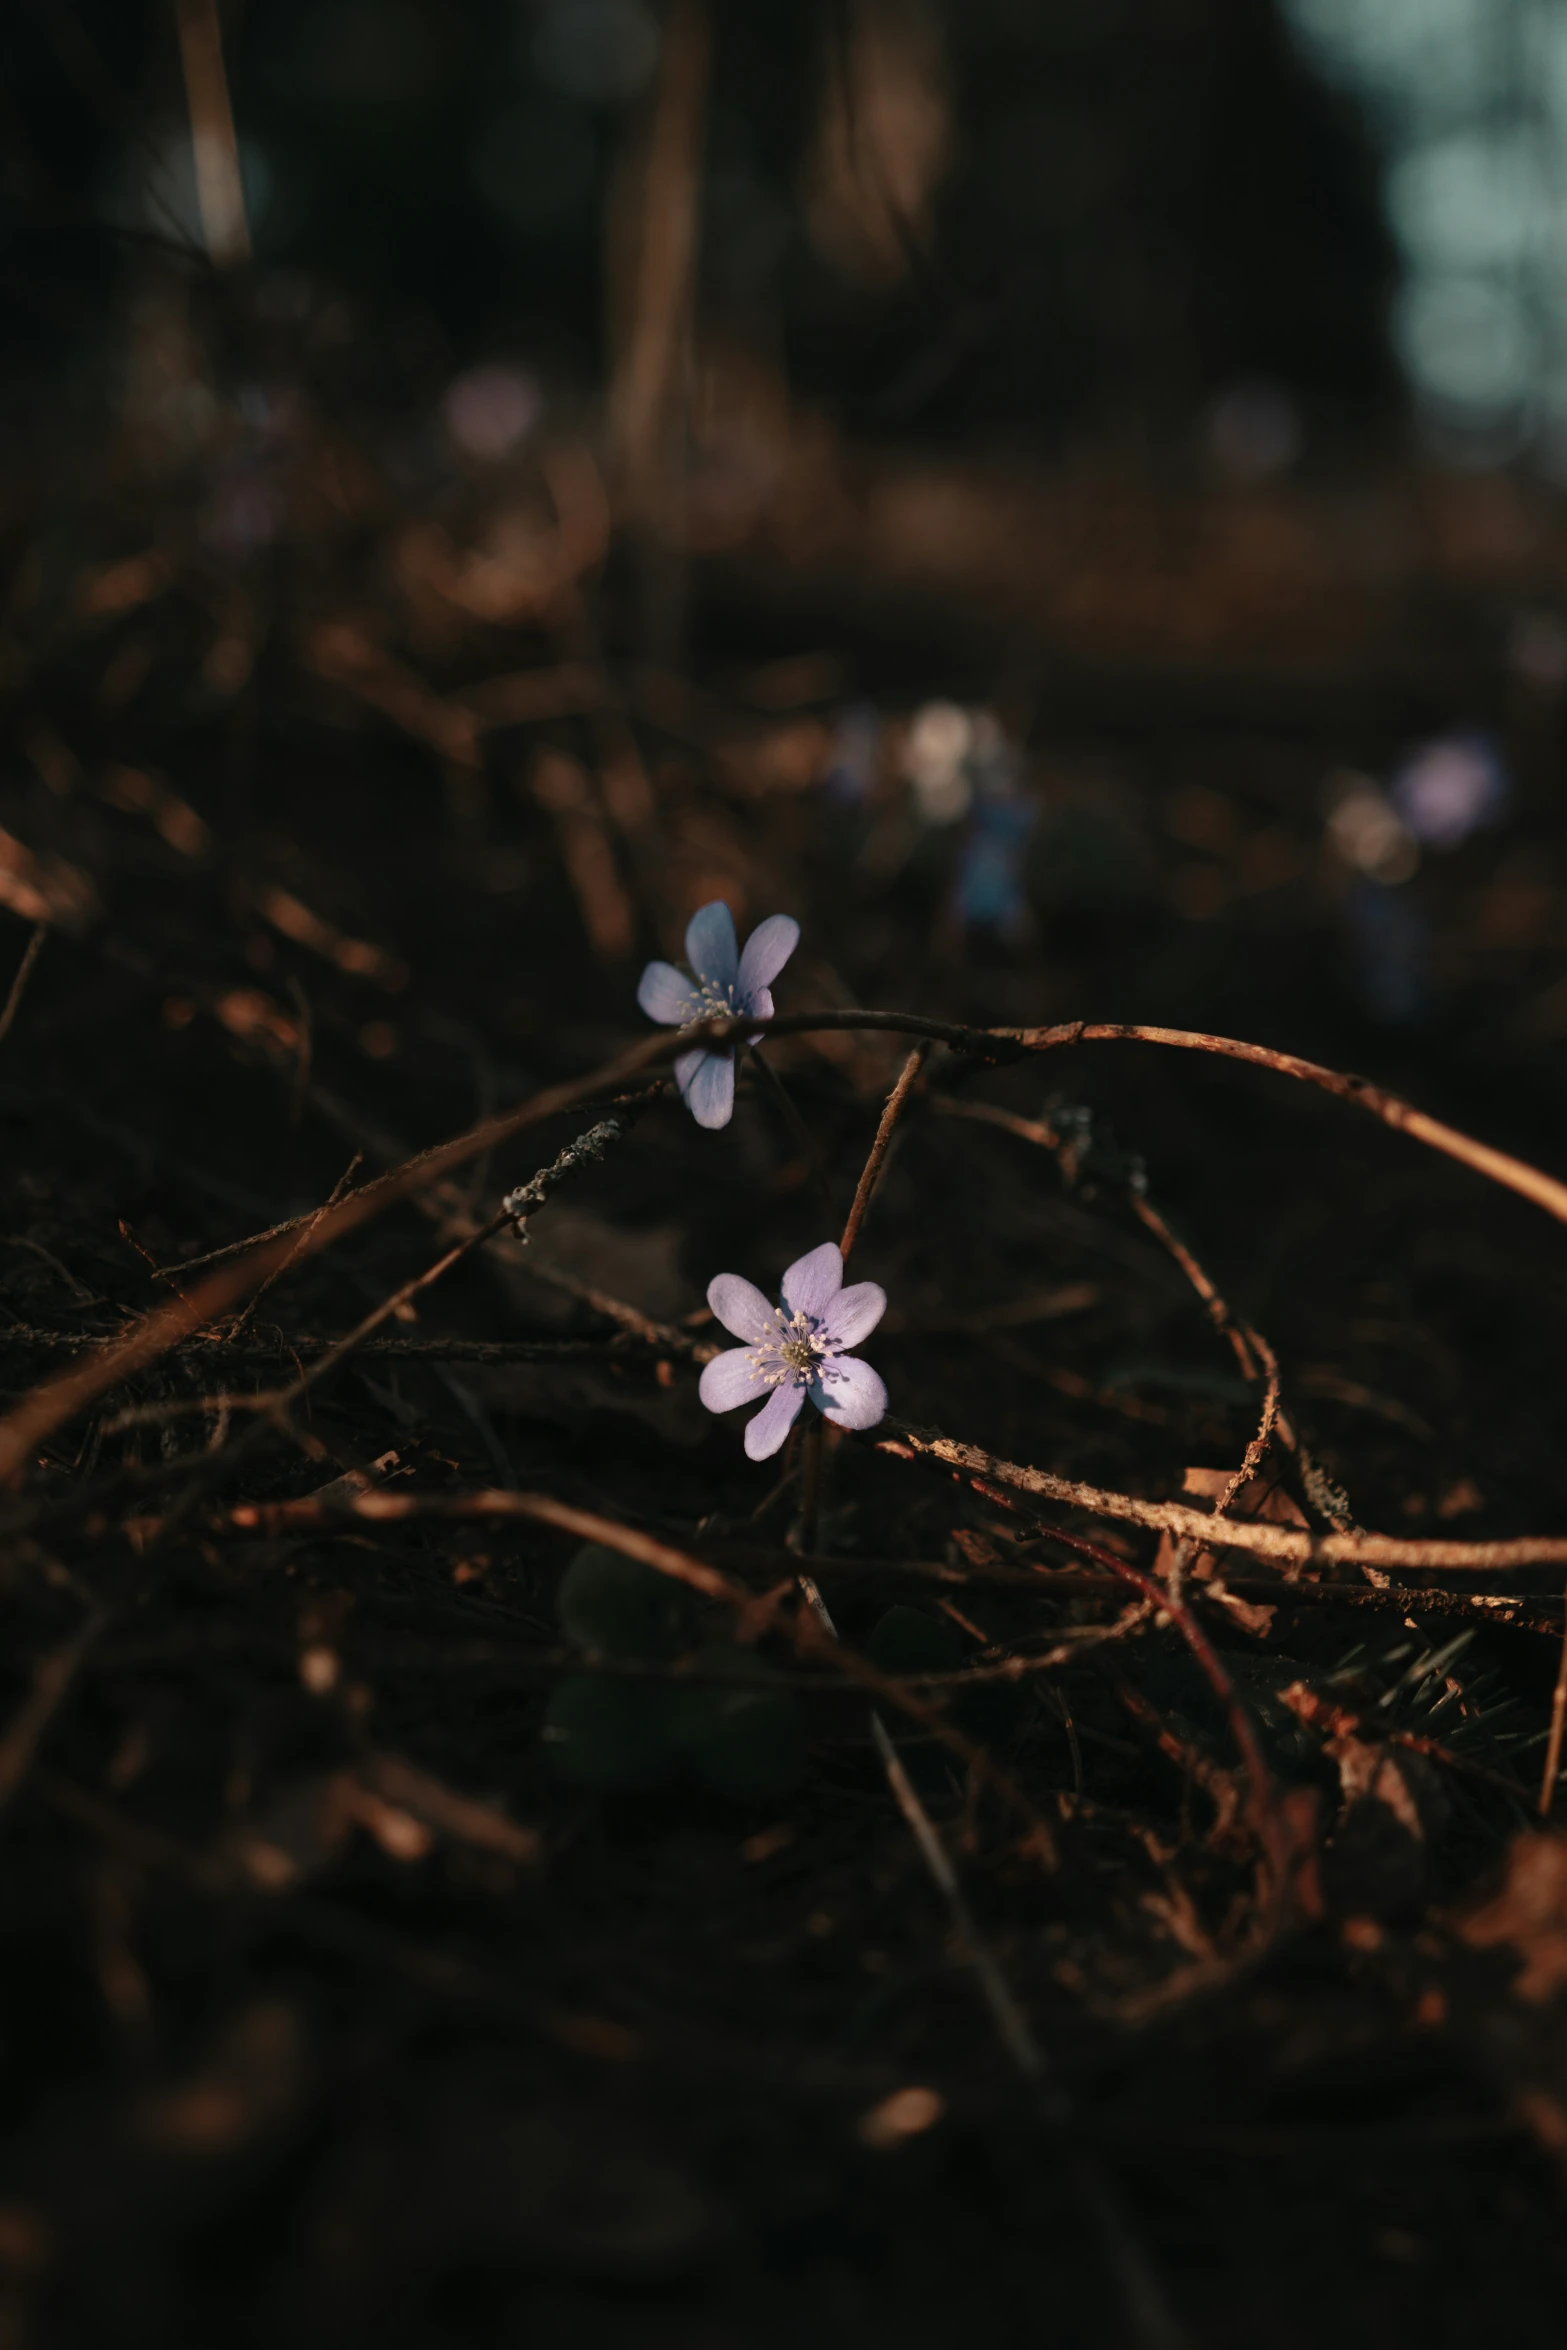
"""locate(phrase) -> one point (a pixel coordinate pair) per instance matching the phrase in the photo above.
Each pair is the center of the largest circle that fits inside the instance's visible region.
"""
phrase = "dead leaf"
(141, 794)
(1528, 1914)
(255, 1019)
(466, 1818)
(44, 889)
(295, 920)
(122, 586)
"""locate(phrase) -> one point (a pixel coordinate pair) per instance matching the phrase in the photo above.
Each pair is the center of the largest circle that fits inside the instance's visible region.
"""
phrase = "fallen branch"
(1292, 1546)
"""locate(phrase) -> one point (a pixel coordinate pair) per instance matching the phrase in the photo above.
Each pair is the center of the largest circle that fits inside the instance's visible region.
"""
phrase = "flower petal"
(767, 1431)
(666, 994)
(741, 1308)
(707, 1085)
(710, 944)
(854, 1313)
(767, 950)
(812, 1282)
(850, 1393)
(730, 1380)
(760, 1007)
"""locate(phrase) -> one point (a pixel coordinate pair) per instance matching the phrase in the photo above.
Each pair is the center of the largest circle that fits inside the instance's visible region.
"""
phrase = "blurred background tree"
(1150, 227)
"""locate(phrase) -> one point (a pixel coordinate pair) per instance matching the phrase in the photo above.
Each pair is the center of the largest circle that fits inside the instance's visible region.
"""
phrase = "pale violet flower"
(720, 982)
(796, 1349)
(1450, 787)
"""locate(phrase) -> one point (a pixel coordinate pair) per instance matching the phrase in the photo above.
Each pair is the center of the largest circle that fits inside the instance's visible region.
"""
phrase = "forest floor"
(405, 1944)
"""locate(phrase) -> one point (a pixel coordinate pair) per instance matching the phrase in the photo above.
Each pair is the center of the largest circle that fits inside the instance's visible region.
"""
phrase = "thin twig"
(1010, 1043)
(1553, 1750)
(1012, 2026)
(871, 1172)
(1254, 1357)
(58, 1400)
(24, 972)
(337, 1191)
(1290, 1545)
(220, 194)
(1251, 1459)
(52, 1677)
(267, 1345)
(55, 1401)
(802, 1134)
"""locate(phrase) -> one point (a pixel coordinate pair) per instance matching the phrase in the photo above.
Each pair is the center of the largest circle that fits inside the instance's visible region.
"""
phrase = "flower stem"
(799, 1130)
(811, 1487)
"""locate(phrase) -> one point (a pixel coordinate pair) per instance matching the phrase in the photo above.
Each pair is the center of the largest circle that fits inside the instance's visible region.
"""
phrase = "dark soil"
(338, 2009)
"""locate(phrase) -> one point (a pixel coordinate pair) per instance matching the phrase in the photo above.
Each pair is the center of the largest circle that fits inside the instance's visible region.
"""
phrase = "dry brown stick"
(513, 1213)
(264, 1346)
(895, 1691)
(1511, 1611)
(1012, 2026)
(1216, 1783)
(655, 324)
(1251, 1459)
(871, 1172)
(336, 1193)
(56, 1400)
(287, 1396)
(1290, 1545)
(387, 1508)
(1342, 1721)
(1553, 1750)
(24, 972)
(277, 1517)
(1142, 2293)
(812, 1470)
(1275, 1820)
(220, 195)
(1008, 1043)
(52, 1677)
(1254, 1358)
(1264, 1805)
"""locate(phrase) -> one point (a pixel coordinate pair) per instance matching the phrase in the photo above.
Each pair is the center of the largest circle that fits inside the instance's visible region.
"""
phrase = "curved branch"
(1291, 1546)
(1000, 1044)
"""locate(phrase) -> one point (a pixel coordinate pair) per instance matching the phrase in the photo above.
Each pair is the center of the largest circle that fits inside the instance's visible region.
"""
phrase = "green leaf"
(745, 1743)
(617, 1607)
(603, 1733)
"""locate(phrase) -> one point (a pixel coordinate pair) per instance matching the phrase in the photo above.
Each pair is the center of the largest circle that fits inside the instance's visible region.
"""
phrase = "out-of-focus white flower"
(1367, 830)
(1450, 787)
(489, 411)
(935, 757)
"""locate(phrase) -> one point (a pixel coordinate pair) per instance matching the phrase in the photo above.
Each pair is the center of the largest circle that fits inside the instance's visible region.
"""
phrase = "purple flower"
(796, 1349)
(720, 983)
(1451, 786)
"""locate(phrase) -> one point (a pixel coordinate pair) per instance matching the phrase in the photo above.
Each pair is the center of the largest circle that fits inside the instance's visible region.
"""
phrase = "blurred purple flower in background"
(1450, 787)
(720, 982)
(796, 1349)
(490, 410)
(988, 893)
(855, 755)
